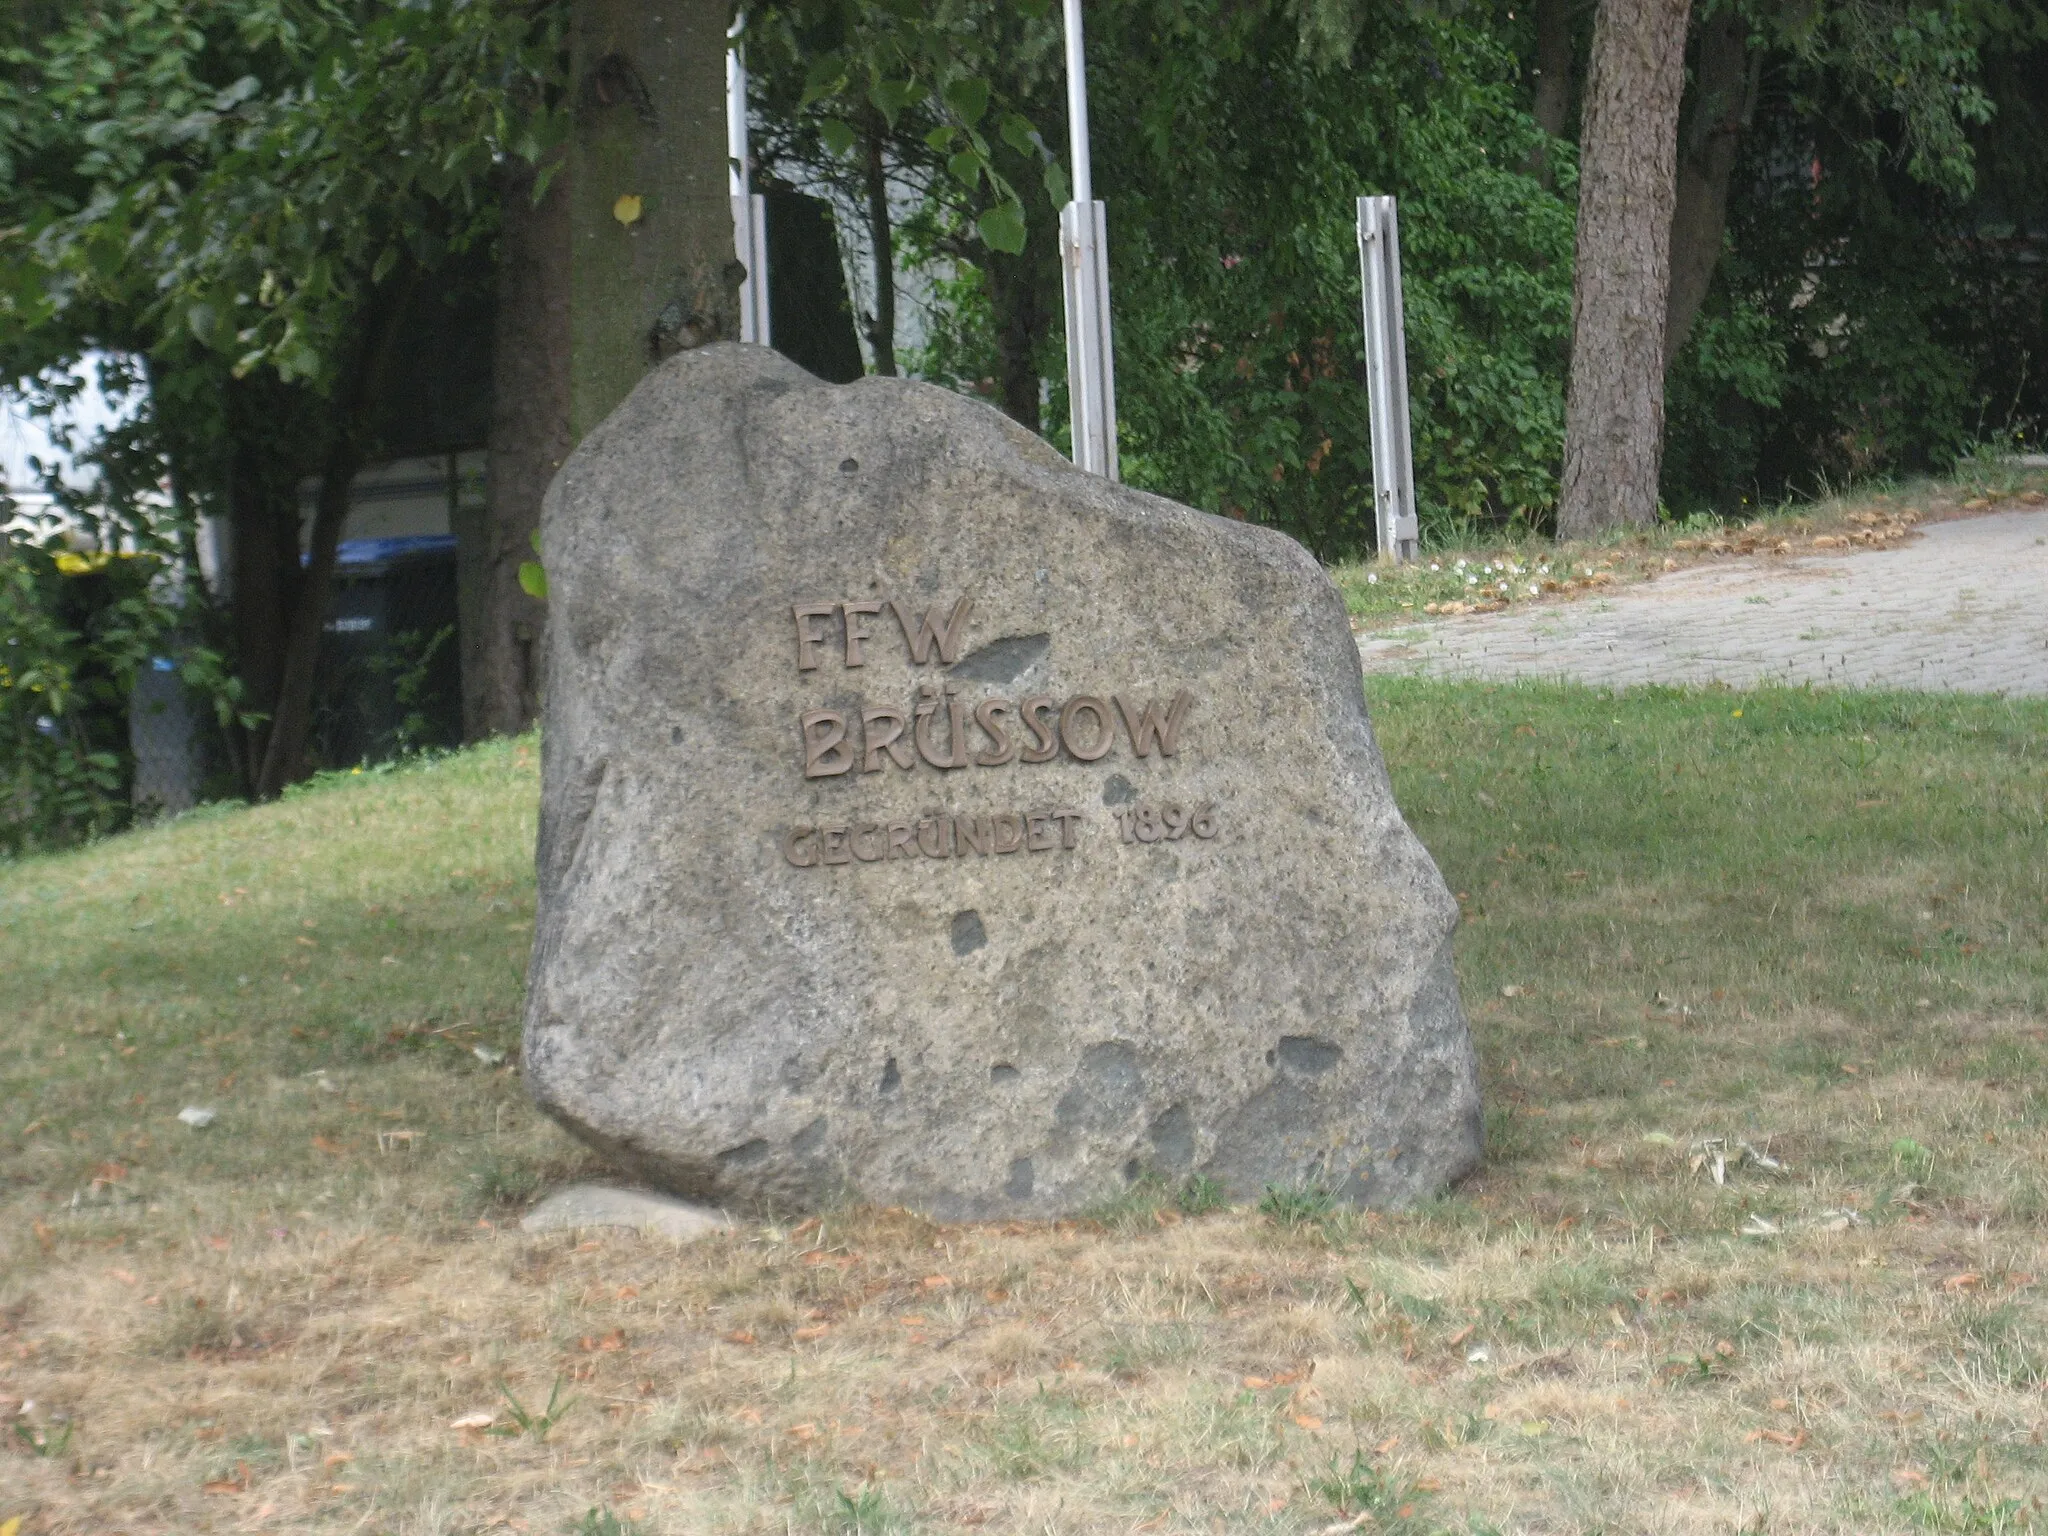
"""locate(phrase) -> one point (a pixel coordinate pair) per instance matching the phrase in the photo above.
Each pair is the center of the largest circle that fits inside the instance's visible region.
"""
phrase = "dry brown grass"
(274, 1325)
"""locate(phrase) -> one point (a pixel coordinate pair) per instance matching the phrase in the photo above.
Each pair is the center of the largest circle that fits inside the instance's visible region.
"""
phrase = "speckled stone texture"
(774, 967)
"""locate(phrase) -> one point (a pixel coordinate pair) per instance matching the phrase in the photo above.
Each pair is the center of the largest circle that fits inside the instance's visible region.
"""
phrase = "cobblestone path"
(1964, 608)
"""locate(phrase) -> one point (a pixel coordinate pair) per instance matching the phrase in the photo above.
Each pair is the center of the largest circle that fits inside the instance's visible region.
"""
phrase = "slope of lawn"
(1760, 983)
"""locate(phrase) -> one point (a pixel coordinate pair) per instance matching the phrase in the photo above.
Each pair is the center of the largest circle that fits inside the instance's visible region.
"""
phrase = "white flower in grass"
(1471, 581)
(1372, 580)
(1534, 589)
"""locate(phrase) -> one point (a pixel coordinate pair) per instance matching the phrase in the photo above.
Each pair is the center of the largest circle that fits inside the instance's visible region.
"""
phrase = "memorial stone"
(926, 822)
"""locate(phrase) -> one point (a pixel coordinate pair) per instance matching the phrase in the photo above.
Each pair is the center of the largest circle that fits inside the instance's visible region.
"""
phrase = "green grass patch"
(1760, 987)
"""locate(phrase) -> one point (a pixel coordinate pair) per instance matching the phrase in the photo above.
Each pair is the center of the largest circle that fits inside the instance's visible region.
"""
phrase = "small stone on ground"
(597, 1205)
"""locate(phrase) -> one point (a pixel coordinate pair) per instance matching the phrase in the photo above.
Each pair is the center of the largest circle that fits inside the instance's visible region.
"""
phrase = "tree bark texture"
(1551, 93)
(263, 564)
(1628, 151)
(882, 241)
(1718, 110)
(499, 624)
(652, 268)
(1024, 298)
(356, 391)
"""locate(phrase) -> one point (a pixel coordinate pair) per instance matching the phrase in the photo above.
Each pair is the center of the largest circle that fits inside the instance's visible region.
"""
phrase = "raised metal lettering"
(1045, 736)
(1104, 730)
(855, 633)
(826, 751)
(973, 832)
(806, 642)
(946, 634)
(987, 715)
(1149, 729)
(877, 743)
(1006, 830)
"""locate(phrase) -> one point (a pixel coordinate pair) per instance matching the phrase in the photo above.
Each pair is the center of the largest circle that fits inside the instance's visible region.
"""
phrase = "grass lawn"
(1760, 983)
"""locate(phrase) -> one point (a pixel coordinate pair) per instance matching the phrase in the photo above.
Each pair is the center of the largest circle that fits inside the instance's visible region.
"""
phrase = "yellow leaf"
(627, 209)
(11, 1527)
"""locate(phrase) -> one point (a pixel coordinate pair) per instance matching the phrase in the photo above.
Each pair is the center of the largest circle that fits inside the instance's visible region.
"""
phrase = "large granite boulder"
(929, 823)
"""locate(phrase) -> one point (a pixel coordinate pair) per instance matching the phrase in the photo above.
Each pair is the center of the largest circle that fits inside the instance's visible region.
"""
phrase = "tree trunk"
(1020, 290)
(499, 624)
(284, 748)
(652, 268)
(263, 572)
(1551, 97)
(1719, 109)
(348, 414)
(1614, 411)
(882, 241)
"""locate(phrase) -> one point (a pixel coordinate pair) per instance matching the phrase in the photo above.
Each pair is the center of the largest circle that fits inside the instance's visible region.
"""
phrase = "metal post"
(749, 208)
(1084, 267)
(1386, 372)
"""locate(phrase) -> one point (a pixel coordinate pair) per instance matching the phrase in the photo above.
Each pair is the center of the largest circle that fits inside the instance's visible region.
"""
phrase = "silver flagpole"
(749, 208)
(1084, 266)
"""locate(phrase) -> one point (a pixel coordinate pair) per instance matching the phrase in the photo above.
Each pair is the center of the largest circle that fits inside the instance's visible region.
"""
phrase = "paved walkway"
(1963, 608)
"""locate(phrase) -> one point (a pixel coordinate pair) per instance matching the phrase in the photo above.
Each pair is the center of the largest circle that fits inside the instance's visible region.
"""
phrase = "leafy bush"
(1231, 160)
(75, 626)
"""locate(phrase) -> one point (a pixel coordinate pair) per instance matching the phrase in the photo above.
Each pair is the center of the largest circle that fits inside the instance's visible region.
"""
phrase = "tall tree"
(499, 621)
(1628, 174)
(248, 193)
(1718, 109)
(652, 270)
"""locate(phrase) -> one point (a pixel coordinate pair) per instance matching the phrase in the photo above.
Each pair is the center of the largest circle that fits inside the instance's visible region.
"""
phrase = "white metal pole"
(1077, 107)
(1386, 372)
(1084, 262)
(749, 209)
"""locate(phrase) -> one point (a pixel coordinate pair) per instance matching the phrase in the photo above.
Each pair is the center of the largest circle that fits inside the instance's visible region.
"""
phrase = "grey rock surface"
(600, 1205)
(783, 957)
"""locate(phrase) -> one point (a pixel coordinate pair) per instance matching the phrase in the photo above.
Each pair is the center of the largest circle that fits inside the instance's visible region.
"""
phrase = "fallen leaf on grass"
(1791, 1442)
(815, 1331)
(1968, 1280)
(331, 1148)
(740, 1336)
(1307, 1421)
(239, 1483)
(477, 1420)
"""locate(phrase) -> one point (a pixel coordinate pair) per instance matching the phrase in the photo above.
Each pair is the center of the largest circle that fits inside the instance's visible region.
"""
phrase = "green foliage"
(604, 1522)
(75, 627)
(535, 1426)
(1297, 1205)
(1879, 309)
(923, 84)
(239, 173)
(1361, 1489)
(1231, 162)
